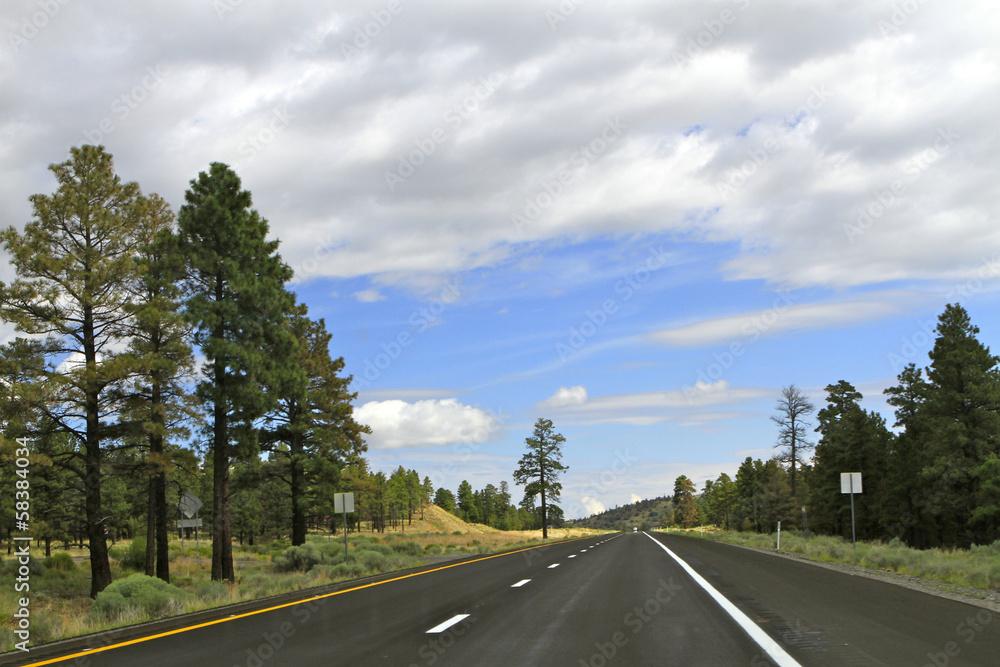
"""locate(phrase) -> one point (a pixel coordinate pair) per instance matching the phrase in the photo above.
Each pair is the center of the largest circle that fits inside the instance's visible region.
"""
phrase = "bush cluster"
(137, 594)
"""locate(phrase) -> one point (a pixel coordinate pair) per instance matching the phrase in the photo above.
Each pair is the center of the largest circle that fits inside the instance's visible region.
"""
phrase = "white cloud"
(369, 296)
(696, 405)
(784, 316)
(591, 505)
(576, 395)
(396, 423)
(634, 498)
(320, 180)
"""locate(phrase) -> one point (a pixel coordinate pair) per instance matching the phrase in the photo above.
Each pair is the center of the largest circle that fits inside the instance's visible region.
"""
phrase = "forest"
(930, 480)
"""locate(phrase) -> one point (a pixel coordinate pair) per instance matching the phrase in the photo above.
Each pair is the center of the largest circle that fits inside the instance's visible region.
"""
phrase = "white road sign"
(850, 482)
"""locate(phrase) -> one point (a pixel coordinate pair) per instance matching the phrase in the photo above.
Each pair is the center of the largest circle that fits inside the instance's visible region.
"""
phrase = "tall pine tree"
(311, 433)
(76, 263)
(963, 412)
(238, 304)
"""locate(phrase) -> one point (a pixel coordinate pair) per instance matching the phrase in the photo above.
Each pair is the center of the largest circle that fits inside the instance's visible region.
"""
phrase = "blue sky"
(638, 219)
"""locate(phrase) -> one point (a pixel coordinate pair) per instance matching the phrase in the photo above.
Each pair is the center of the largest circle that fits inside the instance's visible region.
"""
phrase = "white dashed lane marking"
(437, 629)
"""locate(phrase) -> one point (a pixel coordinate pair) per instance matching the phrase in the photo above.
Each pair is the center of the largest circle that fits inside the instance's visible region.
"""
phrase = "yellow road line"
(92, 651)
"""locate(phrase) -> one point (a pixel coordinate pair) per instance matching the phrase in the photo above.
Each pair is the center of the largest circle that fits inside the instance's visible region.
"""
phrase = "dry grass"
(978, 567)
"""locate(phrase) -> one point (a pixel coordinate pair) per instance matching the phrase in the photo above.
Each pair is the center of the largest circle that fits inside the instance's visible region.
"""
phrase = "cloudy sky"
(637, 219)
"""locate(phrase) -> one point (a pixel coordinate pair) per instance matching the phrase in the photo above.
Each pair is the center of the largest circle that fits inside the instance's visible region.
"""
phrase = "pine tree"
(852, 440)
(539, 469)
(685, 512)
(445, 499)
(159, 402)
(312, 419)
(238, 305)
(906, 515)
(963, 412)
(467, 502)
(75, 262)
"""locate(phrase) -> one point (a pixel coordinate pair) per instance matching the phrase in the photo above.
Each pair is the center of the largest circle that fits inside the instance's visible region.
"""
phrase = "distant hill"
(642, 514)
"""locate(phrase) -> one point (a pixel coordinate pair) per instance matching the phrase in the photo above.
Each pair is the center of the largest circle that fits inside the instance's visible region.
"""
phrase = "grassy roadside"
(977, 567)
(60, 605)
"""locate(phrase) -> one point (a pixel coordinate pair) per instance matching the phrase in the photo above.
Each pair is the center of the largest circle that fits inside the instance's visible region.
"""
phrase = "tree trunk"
(222, 542)
(100, 568)
(150, 529)
(162, 531)
(545, 516)
(295, 452)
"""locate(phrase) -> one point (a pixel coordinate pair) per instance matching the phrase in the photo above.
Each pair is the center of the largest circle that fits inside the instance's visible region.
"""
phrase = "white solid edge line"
(771, 647)
(520, 583)
(447, 624)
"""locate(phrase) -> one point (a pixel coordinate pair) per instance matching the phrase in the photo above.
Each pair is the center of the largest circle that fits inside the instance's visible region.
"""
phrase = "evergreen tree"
(467, 502)
(159, 402)
(852, 440)
(539, 469)
(238, 304)
(907, 514)
(963, 419)
(685, 512)
(775, 498)
(75, 263)
(311, 431)
(445, 499)
(749, 478)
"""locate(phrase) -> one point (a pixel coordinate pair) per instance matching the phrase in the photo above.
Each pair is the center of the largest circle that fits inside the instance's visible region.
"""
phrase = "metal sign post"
(344, 503)
(850, 482)
(189, 506)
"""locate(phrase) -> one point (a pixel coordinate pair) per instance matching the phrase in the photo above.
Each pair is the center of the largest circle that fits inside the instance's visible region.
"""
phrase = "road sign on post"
(344, 503)
(189, 506)
(850, 482)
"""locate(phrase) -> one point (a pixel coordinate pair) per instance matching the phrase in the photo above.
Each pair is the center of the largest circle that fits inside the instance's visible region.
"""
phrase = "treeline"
(492, 507)
(114, 298)
(643, 514)
(933, 481)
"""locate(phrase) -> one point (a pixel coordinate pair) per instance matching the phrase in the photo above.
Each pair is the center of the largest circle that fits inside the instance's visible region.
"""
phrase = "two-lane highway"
(625, 599)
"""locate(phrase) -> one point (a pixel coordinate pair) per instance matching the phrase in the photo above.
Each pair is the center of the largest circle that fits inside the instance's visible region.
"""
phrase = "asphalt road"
(612, 600)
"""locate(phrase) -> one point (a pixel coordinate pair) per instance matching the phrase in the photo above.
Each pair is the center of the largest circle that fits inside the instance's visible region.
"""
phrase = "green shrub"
(137, 593)
(304, 558)
(432, 550)
(383, 549)
(60, 562)
(73, 585)
(132, 556)
(211, 591)
(986, 550)
(301, 558)
(372, 561)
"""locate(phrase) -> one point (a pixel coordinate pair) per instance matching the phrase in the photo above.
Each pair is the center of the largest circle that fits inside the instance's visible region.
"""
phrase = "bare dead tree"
(793, 407)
